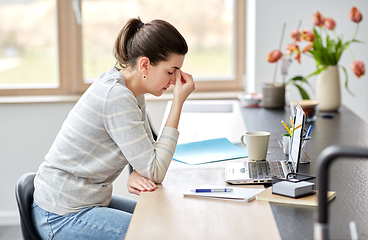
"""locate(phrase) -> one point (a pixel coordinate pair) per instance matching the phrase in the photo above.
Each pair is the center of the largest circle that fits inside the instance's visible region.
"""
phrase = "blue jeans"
(91, 223)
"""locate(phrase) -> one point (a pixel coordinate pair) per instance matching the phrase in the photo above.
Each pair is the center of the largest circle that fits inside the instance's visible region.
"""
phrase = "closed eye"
(171, 73)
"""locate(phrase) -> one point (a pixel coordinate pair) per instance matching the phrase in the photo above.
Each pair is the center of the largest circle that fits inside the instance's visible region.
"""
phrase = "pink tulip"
(358, 68)
(355, 15)
(308, 48)
(296, 34)
(318, 19)
(293, 48)
(274, 56)
(308, 35)
(329, 23)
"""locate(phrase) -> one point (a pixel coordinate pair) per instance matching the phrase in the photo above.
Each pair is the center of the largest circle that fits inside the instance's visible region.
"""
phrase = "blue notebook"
(208, 151)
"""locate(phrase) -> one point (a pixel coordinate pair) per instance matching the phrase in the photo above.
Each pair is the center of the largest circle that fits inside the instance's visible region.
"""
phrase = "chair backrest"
(24, 195)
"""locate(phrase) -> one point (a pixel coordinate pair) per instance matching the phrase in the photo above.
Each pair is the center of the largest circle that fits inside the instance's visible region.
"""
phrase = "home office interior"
(30, 121)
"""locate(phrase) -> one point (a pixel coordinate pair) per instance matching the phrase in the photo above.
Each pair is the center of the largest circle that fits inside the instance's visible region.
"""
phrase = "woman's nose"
(172, 80)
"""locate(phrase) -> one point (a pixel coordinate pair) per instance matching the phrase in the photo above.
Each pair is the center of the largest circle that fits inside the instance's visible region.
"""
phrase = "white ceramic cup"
(256, 144)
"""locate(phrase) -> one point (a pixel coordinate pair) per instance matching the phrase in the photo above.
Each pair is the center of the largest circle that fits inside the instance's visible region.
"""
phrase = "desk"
(165, 214)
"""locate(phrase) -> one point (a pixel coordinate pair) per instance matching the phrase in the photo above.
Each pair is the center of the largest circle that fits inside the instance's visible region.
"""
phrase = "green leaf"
(297, 78)
(316, 72)
(303, 93)
(358, 41)
(346, 81)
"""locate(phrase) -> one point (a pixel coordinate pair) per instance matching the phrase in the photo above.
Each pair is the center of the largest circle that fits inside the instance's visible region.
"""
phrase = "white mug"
(256, 144)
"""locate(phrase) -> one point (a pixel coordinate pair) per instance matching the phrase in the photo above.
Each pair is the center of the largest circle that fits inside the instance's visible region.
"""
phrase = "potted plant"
(326, 51)
(271, 90)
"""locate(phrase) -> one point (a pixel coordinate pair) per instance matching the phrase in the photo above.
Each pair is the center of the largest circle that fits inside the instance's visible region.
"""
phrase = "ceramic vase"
(328, 91)
(273, 95)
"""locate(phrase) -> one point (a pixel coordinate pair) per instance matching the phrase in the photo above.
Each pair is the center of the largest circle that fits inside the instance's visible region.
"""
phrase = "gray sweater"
(106, 130)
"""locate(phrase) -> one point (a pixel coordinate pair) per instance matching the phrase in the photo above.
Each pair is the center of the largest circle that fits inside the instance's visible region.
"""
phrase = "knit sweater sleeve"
(125, 123)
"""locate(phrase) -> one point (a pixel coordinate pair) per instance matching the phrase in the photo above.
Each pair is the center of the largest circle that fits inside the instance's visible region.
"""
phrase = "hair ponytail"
(155, 40)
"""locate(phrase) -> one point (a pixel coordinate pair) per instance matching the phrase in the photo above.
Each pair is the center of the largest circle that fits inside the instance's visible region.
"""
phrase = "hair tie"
(140, 25)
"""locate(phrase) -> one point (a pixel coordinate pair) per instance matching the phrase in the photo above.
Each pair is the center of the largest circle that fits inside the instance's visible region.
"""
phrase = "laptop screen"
(297, 138)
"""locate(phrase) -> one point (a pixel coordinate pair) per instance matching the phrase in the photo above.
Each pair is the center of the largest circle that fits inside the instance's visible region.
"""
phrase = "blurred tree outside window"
(28, 44)
(45, 50)
(207, 26)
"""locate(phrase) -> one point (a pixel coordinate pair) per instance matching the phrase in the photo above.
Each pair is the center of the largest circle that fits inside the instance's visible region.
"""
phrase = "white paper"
(238, 193)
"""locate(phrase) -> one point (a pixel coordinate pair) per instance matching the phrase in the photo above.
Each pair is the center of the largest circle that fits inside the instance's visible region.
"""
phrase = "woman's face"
(162, 75)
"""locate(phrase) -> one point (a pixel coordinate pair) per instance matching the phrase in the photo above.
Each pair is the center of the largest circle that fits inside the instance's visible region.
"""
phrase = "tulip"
(308, 35)
(355, 15)
(308, 48)
(358, 68)
(329, 23)
(274, 56)
(296, 34)
(318, 19)
(293, 48)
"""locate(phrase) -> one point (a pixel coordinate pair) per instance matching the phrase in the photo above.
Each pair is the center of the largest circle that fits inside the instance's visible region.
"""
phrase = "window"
(58, 54)
(28, 44)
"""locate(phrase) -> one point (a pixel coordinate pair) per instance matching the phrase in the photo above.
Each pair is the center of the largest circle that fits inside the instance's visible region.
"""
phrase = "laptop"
(260, 172)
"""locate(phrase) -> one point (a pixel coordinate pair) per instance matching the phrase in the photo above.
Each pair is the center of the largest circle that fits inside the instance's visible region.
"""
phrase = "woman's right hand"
(184, 85)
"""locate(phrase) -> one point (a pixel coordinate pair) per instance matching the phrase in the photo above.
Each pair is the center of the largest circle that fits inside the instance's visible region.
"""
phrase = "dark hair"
(155, 40)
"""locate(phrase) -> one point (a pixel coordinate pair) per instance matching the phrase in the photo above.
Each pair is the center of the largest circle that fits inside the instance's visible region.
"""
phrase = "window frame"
(70, 56)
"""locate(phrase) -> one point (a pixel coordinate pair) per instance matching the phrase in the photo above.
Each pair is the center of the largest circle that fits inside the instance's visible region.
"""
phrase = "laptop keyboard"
(262, 170)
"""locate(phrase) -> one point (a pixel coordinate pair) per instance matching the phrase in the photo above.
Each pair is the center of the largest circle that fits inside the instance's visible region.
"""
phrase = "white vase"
(328, 89)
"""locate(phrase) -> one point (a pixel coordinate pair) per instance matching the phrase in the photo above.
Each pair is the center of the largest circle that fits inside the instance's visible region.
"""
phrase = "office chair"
(24, 195)
(324, 160)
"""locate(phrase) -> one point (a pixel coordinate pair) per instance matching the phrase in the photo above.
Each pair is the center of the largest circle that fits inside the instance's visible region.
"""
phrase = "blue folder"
(208, 151)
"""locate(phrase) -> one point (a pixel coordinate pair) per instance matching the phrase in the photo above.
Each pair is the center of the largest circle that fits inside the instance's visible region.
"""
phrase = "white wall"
(269, 18)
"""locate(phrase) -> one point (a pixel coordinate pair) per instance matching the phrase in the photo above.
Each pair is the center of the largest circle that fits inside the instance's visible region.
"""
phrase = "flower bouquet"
(326, 50)
(327, 53)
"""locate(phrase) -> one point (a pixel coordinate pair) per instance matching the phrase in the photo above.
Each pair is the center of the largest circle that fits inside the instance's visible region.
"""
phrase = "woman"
(106, 130)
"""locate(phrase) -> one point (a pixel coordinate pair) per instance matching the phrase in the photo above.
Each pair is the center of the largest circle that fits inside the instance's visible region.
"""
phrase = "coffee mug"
(256, 144)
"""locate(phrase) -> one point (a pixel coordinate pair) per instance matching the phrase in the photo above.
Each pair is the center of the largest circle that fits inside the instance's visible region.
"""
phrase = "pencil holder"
(304, 155)
(286, 144)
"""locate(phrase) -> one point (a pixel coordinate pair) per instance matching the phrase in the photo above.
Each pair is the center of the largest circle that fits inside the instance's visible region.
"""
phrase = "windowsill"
(75, 98)
(40, 99)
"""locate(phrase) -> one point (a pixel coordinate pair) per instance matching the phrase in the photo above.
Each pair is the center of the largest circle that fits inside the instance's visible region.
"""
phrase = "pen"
(213, 190)
(308, 132)
(298, 127)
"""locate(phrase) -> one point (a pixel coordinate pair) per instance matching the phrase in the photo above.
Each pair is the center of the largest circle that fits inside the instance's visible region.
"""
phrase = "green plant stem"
(354, 36)
(352, 54)
(356, 31)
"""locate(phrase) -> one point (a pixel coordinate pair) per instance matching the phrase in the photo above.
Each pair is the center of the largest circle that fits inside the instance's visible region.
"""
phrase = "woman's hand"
(184, 85)
(137, 183)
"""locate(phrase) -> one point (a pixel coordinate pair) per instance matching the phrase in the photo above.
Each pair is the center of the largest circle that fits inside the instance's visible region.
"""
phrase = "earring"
(144, 76)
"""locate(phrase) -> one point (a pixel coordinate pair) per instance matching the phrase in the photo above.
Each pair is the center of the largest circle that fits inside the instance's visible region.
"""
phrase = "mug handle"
(242, 141)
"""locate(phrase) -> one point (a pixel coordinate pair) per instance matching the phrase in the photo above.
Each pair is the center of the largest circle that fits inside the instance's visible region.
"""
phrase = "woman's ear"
(144, 64)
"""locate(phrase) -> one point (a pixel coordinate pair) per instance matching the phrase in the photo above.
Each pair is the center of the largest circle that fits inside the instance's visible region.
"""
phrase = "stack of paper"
(310, 200)
(238, 193)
